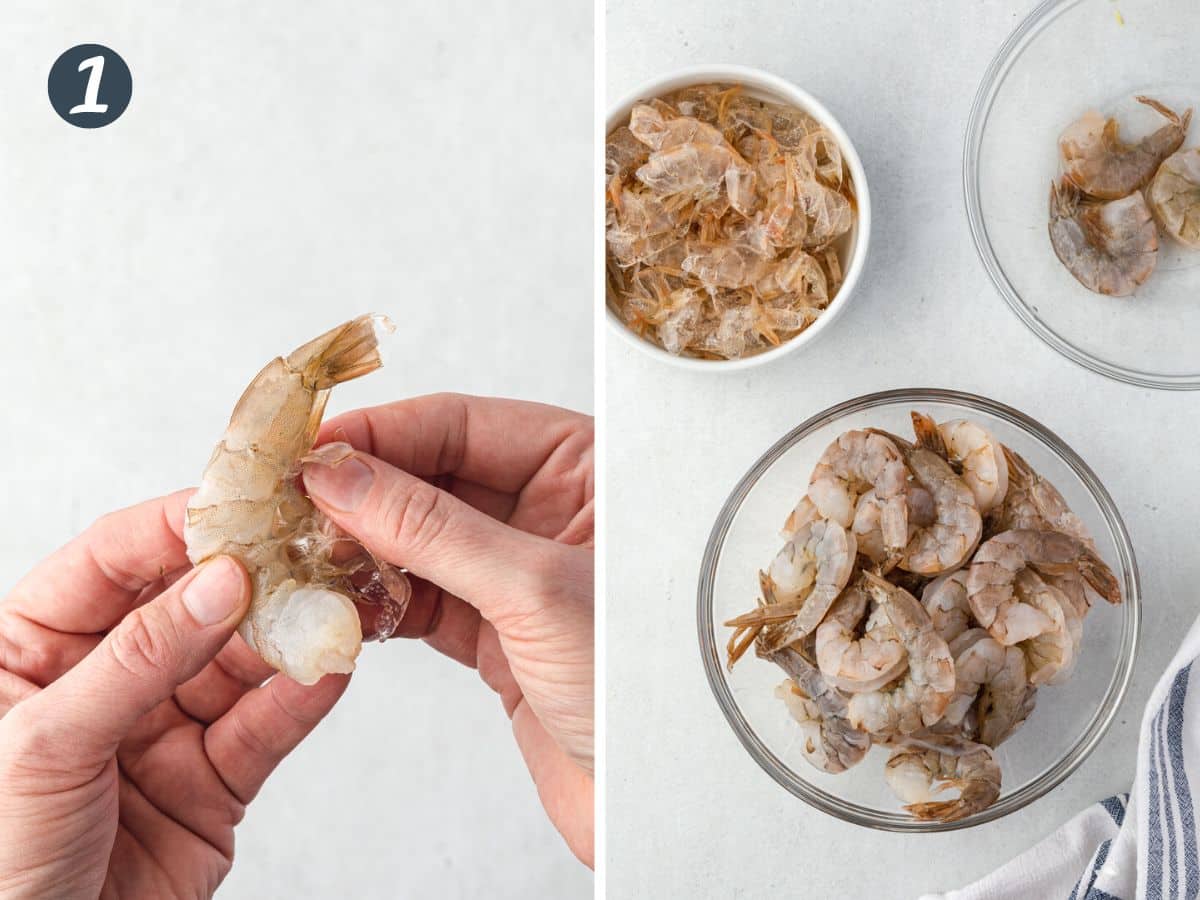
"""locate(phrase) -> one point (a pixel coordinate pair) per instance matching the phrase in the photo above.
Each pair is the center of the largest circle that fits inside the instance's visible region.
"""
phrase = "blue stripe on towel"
(1154, 830)
(1115, 808)
(1160, 760)
(1098, 859)
(1183, 792)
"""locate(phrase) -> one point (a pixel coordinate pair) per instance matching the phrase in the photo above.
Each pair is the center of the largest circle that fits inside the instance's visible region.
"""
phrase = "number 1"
(92, 91)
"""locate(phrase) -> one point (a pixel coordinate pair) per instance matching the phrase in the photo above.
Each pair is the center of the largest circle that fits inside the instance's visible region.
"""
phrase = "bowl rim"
(789, 92)
(993, 80)
(1052, 775)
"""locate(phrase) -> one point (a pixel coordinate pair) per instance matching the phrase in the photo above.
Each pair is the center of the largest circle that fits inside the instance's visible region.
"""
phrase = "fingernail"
(343, 486)
(215, 593)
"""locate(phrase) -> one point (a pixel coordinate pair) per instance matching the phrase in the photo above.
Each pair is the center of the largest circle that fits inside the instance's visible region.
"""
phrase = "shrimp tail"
(1169, 114)
(341, 354)
(977, 790)
(928, 435)
(1017, 466)
(952, 810)
(765, 615)
(1101, 578)
(1064, 199)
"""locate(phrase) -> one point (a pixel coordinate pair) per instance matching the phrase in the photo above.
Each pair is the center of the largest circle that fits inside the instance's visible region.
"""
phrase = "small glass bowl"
(1066, 57)
(1069, 719)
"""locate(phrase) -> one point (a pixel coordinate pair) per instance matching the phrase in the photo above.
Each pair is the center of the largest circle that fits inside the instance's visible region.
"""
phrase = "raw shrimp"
(981, 662)
(992, 576)
(802, 582)
(953, 763)
(858, 462)
(1032, 502)
(831, 742)
(945, 544)
(868, 524)
(948, 678)
(919, 699)
(973, 448)
(1174, 197)
(249, 505)
(857, 664)
(1049, 656)
(1110, 248)
(1099, 164)
(945, 599)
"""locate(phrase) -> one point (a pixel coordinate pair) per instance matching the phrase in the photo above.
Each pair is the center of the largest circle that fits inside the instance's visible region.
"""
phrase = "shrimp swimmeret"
(302, 619)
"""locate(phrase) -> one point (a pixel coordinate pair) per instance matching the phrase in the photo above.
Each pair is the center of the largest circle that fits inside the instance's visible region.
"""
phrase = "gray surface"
(281, 167)
(689, 813)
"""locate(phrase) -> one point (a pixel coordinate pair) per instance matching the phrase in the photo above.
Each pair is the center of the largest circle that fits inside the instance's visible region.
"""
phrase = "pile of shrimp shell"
(926, 590)
(1113, 198)
(723, 215)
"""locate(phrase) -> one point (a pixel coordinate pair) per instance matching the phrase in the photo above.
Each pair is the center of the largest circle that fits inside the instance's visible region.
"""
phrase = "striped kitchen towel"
(1140, 845)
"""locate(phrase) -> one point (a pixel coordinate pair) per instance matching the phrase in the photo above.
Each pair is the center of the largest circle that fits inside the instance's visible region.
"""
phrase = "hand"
(133, 729)
(490, 504)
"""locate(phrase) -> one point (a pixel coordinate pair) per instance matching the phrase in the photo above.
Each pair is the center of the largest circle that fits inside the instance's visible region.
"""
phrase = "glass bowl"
(1069, 719)
(1066, 57)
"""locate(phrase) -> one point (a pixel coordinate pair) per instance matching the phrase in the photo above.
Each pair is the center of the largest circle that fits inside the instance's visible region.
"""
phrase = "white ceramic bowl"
(765, 86)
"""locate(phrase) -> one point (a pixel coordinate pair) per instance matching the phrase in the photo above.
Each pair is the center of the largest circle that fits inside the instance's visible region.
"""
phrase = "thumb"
(501, 571)
(152, 651)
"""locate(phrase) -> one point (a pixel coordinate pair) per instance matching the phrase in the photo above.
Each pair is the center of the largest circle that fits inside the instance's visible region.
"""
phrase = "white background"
(689, 812)
(282, 167)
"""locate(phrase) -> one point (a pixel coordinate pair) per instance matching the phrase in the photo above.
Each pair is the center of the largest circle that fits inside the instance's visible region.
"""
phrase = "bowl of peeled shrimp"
(1081, 172)
(737, 218)
(919, 610)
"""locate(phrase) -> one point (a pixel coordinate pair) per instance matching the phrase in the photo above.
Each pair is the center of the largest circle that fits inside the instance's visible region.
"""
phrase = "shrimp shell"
(301, 619)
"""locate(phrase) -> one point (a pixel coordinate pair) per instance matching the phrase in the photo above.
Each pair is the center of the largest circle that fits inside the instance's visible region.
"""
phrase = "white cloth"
(1139, 847)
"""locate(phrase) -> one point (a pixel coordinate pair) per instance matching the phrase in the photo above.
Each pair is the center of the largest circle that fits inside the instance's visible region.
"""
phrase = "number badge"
(90, 86)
